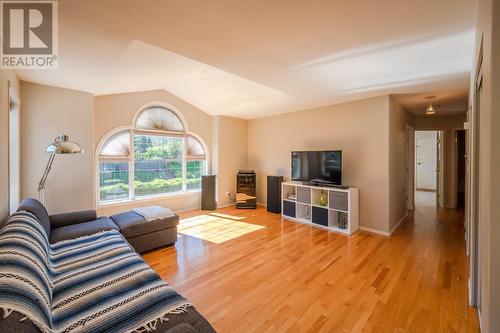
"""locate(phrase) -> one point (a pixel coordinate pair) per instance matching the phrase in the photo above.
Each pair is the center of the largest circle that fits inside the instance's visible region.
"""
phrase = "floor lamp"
(61, 145)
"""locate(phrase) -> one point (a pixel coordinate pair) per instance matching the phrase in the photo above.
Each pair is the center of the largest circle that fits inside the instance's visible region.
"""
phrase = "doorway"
(460, 170)
(14, 151)
(428, 164)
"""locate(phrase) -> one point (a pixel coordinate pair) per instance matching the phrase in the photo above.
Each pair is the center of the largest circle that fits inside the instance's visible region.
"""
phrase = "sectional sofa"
(93, 281)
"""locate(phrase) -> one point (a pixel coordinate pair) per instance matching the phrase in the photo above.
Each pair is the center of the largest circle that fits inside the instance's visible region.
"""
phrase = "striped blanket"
(90, 284)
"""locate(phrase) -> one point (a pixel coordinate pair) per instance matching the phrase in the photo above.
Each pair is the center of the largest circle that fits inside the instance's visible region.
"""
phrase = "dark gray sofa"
(141, 234)
(83, 223)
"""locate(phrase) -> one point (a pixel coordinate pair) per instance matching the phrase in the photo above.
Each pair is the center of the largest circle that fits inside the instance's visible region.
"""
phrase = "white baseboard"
(261, 204)
(187, 209)
(227, 205)
(375, 231)
(199, 208)
(399, 222)
(480, 320)
(385, 233)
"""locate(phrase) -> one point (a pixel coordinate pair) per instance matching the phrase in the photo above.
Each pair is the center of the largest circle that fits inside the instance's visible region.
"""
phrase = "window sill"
(128, 201)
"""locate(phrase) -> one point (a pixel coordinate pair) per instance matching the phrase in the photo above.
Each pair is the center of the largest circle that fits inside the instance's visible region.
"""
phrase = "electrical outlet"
(228, 193)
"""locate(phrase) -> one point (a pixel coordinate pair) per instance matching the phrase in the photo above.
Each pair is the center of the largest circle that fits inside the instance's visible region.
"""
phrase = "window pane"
(160, 119)
(194, 147)
(118, 145)
(195, 169)
(158, 164)
(113, 180)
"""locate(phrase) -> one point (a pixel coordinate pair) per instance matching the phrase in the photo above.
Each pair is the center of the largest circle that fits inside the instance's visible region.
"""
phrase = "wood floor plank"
(290, 277)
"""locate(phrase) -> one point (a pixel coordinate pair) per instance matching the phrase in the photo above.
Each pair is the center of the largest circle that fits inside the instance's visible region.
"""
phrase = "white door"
(426, 160)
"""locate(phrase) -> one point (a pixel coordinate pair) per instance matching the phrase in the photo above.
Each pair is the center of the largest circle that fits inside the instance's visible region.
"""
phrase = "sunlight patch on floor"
(216, 229)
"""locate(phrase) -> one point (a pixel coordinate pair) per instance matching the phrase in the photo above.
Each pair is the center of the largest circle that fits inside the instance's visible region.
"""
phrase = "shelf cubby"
(288, 190)
(338, 200)
(316, 197)
(320, 216)
(289, 208)
(302, 212)
(303, 195)
(338, 219)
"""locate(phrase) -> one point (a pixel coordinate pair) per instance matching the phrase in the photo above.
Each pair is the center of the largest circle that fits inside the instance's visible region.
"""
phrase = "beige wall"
(360, 129)
(230, 138)
(398, 120)
(488, 31)
(47, 112)
(6, 76)
(448, 124)
(113, 111)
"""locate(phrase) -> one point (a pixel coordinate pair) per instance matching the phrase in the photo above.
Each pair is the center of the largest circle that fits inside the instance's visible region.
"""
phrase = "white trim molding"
(401, 220)
(375, 231)
(386, 233)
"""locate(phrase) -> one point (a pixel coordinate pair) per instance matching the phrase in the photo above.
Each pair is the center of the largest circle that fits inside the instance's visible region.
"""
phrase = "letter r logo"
(27, 27)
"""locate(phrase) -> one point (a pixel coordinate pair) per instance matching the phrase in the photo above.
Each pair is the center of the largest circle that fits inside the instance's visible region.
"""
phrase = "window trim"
(132, 198)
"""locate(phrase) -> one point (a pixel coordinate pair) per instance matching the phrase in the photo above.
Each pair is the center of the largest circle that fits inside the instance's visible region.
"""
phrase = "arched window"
(154, 157)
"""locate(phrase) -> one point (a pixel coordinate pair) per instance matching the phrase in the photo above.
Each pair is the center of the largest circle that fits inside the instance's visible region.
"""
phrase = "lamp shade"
(430, 110)
(62, 145)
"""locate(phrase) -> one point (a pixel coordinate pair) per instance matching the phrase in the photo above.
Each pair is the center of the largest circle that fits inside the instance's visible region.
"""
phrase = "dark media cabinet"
(246, 189)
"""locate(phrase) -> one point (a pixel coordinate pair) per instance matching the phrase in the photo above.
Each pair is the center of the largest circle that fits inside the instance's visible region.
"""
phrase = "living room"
(117, 135)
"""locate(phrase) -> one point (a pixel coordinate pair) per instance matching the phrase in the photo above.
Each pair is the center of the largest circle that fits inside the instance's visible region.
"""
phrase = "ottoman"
(145, 235)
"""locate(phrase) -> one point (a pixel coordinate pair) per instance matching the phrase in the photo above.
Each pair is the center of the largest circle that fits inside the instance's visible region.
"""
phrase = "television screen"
(317, 166)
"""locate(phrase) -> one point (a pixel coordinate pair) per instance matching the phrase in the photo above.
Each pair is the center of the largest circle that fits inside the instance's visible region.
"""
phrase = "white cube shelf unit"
(338, 211)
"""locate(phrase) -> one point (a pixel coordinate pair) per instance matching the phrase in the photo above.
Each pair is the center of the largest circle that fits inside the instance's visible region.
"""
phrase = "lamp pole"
(41, 184)
(61, 145)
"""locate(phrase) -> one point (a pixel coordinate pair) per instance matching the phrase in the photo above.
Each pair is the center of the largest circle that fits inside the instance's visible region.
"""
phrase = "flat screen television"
(317, 166)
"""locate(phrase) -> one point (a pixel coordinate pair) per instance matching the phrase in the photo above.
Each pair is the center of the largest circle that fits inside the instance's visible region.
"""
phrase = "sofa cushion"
(64, 219)
(132, 224)
(82, 229)
(153, 240)
(36, 208)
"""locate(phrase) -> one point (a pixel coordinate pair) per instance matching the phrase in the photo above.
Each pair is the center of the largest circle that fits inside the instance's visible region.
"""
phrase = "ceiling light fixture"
(430, 109)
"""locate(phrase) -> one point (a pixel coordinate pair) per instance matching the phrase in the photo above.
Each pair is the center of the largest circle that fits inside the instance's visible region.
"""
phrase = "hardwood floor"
(290, 277)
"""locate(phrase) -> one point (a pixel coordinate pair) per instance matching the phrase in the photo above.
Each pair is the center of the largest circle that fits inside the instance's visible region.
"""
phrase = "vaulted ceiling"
(250, 59)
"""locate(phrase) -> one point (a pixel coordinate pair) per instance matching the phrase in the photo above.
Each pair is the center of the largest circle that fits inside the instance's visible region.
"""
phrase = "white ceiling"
(250, 59)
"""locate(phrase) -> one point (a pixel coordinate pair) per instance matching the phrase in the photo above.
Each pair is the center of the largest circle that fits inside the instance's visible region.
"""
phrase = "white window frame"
(131, 158)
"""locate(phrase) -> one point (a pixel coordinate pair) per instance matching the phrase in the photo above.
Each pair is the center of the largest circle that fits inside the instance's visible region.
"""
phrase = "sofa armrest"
(64, 219)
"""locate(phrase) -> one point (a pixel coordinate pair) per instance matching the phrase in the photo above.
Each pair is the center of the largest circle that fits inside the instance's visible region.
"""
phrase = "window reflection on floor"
(216, 228)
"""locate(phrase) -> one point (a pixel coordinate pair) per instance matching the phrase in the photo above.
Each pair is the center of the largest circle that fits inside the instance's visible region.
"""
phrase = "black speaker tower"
(208, 193)
(274, 193)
